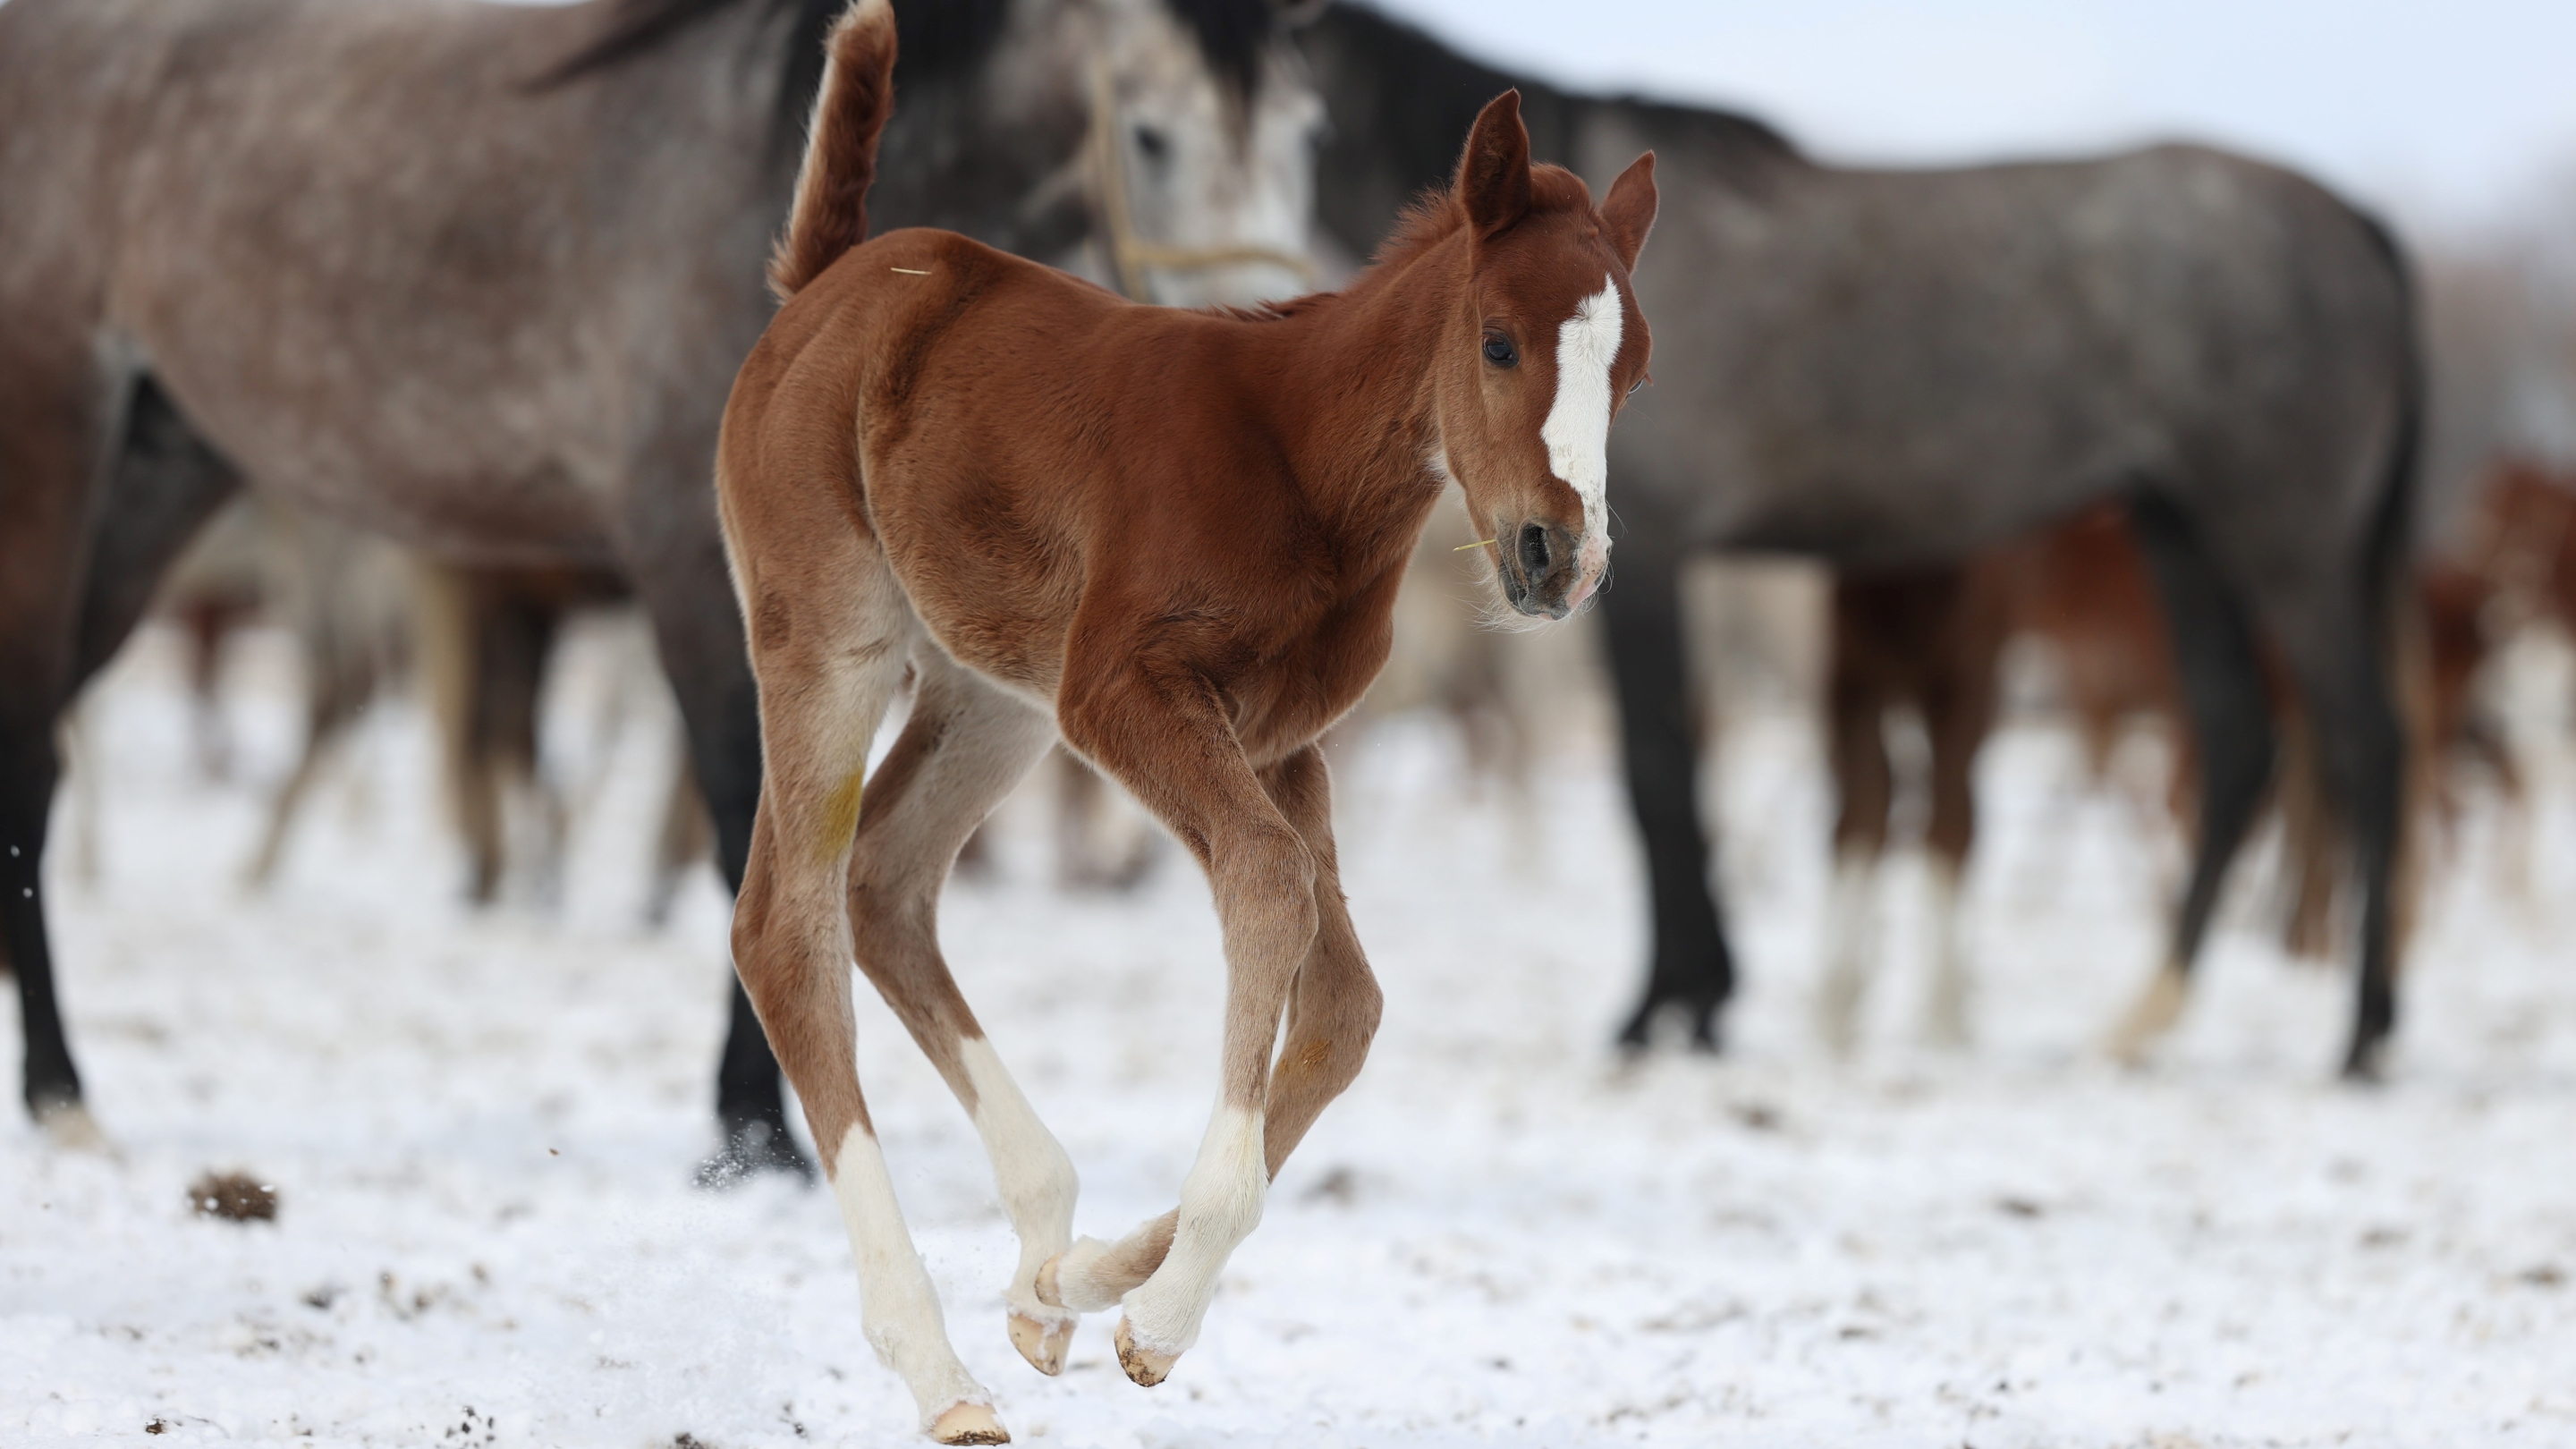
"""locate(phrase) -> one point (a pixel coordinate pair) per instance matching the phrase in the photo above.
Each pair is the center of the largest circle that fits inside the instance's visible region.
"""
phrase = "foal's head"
(1540, 351)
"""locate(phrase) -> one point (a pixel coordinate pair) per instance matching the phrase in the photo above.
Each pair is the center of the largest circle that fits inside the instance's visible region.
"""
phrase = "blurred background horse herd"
(2174, 455)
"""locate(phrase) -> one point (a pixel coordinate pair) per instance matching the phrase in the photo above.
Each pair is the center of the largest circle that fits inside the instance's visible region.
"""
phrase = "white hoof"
(1074, 1279)
(1042, 1341)
(1838, 1013)
(72, 1128)
(969, 1424)
(1143, 1365)
(2147, 1021)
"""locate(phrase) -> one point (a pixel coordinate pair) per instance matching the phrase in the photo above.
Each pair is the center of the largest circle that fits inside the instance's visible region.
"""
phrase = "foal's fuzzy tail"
(831, 211)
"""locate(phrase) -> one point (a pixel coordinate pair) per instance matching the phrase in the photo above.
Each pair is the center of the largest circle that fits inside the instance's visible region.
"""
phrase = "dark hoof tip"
(1637, 1038)
(2365, 1067)
(749, 1149)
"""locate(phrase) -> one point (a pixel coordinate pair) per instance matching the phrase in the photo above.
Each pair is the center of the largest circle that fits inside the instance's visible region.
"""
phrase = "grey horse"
(1897, 367)
(478, 277)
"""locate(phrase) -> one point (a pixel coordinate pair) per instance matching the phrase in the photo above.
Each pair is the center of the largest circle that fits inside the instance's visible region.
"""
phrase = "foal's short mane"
(1432, 217)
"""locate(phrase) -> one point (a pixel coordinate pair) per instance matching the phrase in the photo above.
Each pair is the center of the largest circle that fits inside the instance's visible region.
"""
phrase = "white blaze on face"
(1577, 430)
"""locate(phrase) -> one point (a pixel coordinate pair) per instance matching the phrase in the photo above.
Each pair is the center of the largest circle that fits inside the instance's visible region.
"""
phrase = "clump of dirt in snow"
(234, 1196)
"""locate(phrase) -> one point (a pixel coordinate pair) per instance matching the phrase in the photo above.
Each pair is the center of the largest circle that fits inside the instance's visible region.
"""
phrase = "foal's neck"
(1367, 422)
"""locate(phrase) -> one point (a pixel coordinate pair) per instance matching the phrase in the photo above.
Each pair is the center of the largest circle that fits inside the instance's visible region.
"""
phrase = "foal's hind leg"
(829, 634)
(966, 744)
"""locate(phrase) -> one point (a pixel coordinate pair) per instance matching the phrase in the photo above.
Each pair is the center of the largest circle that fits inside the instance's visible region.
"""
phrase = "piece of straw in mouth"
(910, 271)
(1479, 543)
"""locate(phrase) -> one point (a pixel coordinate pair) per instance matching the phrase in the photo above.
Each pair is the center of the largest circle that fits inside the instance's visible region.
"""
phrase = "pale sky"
(2455, 115)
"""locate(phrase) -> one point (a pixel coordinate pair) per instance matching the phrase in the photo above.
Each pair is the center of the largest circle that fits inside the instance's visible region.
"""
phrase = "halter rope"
(1132, 256)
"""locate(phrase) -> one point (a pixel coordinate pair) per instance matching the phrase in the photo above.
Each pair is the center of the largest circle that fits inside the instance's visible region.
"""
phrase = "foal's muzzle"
(1547, 571)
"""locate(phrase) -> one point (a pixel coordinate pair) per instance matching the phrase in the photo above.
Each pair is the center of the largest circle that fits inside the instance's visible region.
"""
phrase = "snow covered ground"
(480, 1129)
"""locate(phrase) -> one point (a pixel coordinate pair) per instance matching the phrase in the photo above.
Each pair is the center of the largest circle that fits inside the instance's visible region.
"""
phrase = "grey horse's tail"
(2314, 837)
(831, 211)
(2392, 525)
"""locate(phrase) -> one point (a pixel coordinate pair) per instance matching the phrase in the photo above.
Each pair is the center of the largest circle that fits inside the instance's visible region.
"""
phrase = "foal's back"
(1138, 444)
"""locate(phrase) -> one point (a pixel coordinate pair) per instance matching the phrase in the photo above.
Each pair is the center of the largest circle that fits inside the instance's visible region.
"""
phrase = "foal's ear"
(1630, 212)
(1494, 175)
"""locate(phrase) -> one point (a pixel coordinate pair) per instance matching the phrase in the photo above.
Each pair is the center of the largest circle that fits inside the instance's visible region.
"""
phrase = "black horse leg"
(2231, 724)
(104, 558)
(2361, 748)
(699, 629)
(167, 482)
(1692, 970)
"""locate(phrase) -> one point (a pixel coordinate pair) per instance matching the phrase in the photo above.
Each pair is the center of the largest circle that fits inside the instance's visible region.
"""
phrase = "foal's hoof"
(1042, 1343)
(1146, 1367)
(969, 1424)
(1073, 1279)
(69, 1126)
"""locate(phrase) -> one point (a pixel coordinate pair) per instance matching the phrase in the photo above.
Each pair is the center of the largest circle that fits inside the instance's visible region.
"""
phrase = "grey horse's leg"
(80, 572)
(2231, 722)
(1692, 969)
(166, 484)
(677, 558)
(2361, 750)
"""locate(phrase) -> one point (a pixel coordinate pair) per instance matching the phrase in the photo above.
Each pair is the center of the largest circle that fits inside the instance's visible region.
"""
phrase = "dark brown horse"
(475, 276)
(1173, 537)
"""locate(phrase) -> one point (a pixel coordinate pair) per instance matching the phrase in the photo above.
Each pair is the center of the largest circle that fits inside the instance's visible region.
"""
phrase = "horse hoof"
(2366, 1066)
(1043, 1344)
(1068, 1279)
(2149, 1019)
(1144, 1367)
(70, 1127)
(969, 1424)
(751, 1148)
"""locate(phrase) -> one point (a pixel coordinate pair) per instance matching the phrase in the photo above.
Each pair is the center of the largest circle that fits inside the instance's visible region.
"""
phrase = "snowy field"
(481, 1129)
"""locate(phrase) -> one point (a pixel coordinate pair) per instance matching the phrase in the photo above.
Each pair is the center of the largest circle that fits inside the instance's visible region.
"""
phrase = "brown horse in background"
(1174, 538)
(1932, 640)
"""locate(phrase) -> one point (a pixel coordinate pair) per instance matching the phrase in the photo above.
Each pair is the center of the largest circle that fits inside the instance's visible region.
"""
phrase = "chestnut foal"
(1175, 537)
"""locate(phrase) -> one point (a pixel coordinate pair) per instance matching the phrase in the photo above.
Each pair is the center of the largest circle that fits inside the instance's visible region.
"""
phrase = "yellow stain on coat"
(841, 814)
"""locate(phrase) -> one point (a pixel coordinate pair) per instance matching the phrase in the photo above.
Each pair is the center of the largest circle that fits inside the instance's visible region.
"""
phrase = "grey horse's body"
(1893, 367)
(477, 276)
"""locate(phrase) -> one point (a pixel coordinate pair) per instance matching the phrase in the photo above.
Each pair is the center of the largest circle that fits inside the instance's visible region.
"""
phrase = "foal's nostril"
(1533, 551)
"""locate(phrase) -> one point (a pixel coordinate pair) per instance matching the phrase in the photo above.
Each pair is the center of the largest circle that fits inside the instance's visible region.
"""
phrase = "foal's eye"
(1156, 146)
(1499, 350)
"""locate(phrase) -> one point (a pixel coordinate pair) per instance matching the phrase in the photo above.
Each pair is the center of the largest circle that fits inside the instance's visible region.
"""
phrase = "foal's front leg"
(1332, 1016)
(1169, 742)
(966, 744)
